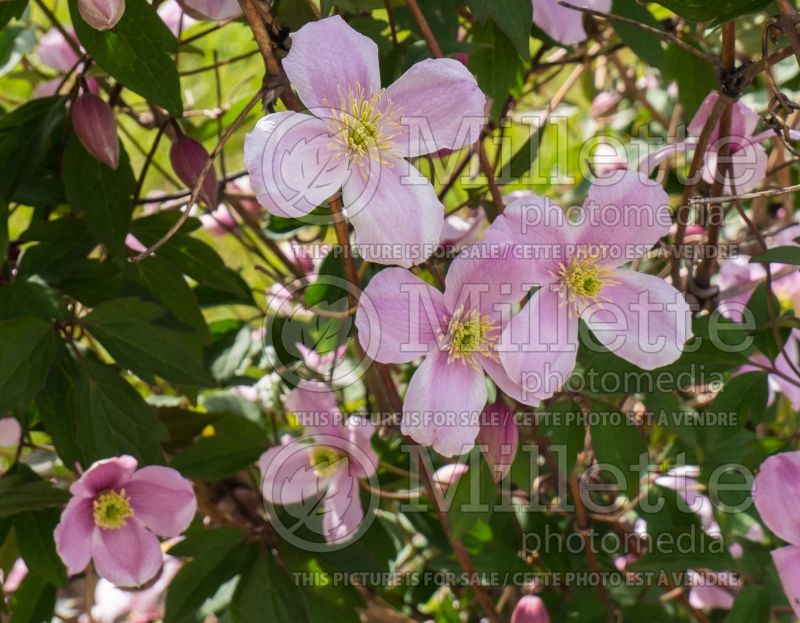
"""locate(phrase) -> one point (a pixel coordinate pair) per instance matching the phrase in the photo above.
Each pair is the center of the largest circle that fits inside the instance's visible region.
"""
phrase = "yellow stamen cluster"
(364, 124)
(325, 460)
(469, 334)
(582, 279)
(111, 510)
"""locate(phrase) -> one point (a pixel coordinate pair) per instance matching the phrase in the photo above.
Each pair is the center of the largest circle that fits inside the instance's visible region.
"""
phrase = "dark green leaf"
(496, 65)
(22, 490)
(136, 52)
(34, 532)
(26, 137)
(31, 298)
(752, 605)
(473, 497)
(34, 601)
(10, 10)
(223, 555)
(63, 244)
(183, 425)
(227, 353)
(779, 255)
(743, 398)
(101, 193)
(695, 78)
(618, 443)
(646, 45)
(514, 17)
(283, 601)
(718, 11)
(27, 345)
(127, 330)
(236, 445)
(112, 418)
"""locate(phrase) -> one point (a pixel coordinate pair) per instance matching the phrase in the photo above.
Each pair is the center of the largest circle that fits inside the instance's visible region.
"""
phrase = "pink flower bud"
(498, 438)
(448, 475)
(188, 159)
(56, 52)
(96, 127)
(213, 10)
(101, 14)
(530, 609)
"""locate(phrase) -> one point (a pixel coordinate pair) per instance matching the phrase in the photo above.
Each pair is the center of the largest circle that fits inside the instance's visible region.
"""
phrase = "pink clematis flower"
(747, 157)
(174, 17)
(330, 461)
(777, 498)
(358, 137)
(563, 24)
(114, 515)
(578, 267)
(401, 318)
(10, 432)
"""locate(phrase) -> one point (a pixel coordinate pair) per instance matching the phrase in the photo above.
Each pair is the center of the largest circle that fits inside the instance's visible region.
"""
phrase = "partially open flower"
(101, 14)
(498, 438)
(56, 52)
(189, 158)
(114, 515)
(96, 127)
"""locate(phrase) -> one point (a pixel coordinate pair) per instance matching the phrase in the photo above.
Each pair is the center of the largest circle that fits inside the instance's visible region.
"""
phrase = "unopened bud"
(96, 127)
(101, 14)
(189, 158)
(10, 432)
(498, 438)
(530, 609)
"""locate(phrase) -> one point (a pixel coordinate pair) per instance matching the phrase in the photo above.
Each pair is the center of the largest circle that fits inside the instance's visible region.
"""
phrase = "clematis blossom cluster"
(358, 137)
(471, 329)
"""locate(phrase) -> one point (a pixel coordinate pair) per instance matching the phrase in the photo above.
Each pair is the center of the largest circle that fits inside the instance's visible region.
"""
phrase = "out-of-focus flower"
(603, 103)
(101, 14)
(212, 10)
(146, 606)
(360, 137)
(708, 591)
(459, 231)
(448, 475)
(174, 17)
(189, 158)
(10, 432)
(578, 269)
(55, 52)
(776, 493)
(114, 515)
(15, 576)
(563, 24)
(96, 127)
(530, 609)
(330, 461)
(747, 158)
(608, 158)
(223, 219)
(500, 436)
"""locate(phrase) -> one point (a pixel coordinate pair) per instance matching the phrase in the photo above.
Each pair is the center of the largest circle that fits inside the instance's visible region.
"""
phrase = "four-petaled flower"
(358, 137)
(114, 515)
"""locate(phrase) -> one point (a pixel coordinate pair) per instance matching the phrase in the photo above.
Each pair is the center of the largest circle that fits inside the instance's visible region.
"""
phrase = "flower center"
(111, 510)
(468, 334)
(583, 279)
(364, 124)
(324, 460)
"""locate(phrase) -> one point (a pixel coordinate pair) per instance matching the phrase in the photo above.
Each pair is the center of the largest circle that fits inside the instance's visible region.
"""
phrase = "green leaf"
(127, 330)
(718, 11)
(779, 255)
(27, 345)
(15, 42)
(62, 244)
(283, 601)
(752, 605)
(473, 497)
(645, 45)
(31, 298)
(760, 308)
(34, 532)
(617, 442)
(136, 52)
(112, 418)
(27, 135)
(168, 286)
(34, 601)
(236, 445)
(496, 65)
(480, 9)
(227, 353)
(743, 398)
(183, 425)
(22, 490)
(695, 78)
(10, 10)
(514, 18)
(224, 554)
(101, 193)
